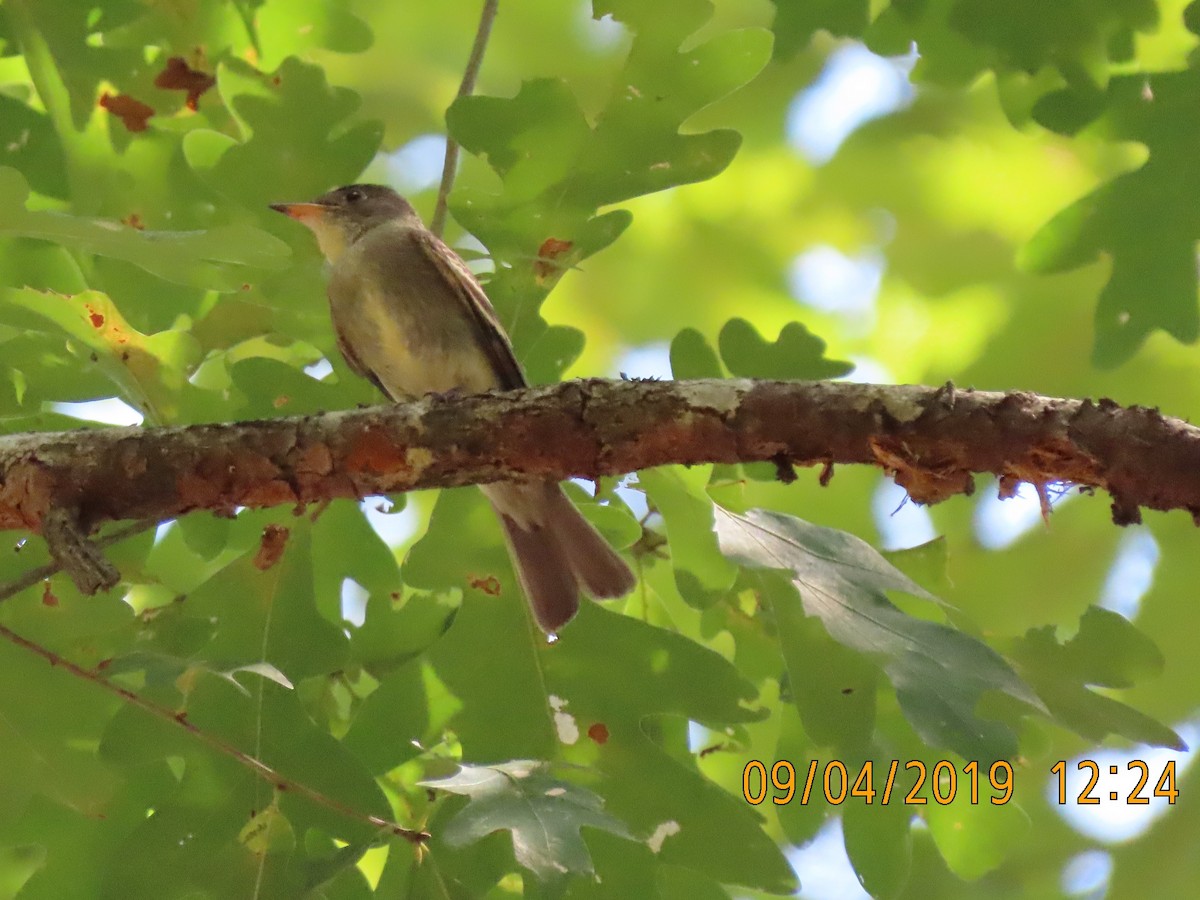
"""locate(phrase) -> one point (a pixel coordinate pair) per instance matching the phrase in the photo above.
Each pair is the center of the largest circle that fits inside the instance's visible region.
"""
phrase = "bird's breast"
(407, 329)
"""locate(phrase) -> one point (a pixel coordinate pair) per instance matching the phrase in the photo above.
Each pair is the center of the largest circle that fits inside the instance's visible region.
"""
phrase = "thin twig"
(450, 164)
(257, 766)
(33, 576)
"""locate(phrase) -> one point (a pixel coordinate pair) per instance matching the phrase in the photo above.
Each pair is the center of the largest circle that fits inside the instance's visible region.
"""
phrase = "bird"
(410, 316)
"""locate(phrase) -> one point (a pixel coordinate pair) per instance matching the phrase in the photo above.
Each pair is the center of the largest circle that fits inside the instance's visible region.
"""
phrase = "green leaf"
(508, 710)
(879, 844)
(975, 838)
(50, 734)
(693, 357)
(797, 20)
(797, 353)
(218, 258)
(622, 692)
(1076, 36)
(270, 616)
(297, 145)
(301, 25)
(1141, 219)
(702, 574)
(1107, 651)
(558, 169)
(543, 813)
(832, 686)
(939, 674)
(187, 852)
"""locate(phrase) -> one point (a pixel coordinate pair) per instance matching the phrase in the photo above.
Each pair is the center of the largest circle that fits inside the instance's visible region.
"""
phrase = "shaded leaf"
(543, 813)
(939, 673)
(1107, 651)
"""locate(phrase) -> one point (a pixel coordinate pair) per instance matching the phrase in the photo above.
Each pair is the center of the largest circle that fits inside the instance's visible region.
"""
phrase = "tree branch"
(930, 439)
(450, 164)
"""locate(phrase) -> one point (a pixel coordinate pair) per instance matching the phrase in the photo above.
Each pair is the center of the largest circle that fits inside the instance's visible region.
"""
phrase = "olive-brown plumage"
(410, 316)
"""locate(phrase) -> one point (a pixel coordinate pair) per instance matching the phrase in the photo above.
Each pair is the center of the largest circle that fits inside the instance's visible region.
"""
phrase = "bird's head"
(345, 214)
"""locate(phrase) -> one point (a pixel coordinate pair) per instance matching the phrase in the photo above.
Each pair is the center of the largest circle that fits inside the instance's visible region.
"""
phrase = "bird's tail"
(555, 551)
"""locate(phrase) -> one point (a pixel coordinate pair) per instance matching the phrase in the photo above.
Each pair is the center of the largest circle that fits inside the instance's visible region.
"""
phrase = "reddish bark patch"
(315, 459)
(25, 496)
(373, 452)
(270, 493)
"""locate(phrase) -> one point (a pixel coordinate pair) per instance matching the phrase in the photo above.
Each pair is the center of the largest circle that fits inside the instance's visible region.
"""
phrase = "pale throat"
(331, 238)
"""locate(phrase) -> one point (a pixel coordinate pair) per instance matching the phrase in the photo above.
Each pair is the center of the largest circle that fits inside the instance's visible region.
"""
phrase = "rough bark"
(931, 439)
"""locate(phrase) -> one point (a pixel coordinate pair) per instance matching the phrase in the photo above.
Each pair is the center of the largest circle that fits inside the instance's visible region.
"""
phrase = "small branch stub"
(87, 565)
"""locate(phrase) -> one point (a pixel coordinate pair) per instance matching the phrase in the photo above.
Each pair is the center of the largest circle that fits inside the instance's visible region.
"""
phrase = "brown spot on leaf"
(281, 401)
(270, 549)
(490, 585)
(133, 220)
(546, 266)
(48, 596)
(132, 112)
(598, 732)
(179, 76)
(95, 318)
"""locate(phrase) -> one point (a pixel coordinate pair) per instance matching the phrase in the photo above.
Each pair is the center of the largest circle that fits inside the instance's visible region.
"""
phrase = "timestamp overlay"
(1084, 782)
(1113, 795)
(910, 782)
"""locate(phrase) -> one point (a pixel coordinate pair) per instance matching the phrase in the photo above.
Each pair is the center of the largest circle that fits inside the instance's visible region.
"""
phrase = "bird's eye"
(354, 195)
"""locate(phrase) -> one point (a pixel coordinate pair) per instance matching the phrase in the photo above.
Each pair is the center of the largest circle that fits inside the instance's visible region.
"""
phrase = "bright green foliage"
(626, 172)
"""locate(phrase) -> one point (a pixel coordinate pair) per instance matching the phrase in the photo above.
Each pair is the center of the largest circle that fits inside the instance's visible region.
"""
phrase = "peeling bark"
(932, 440)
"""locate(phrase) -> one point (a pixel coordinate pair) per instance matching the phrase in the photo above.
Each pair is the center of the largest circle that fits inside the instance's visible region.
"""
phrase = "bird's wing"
(356, 365)
(490, 333)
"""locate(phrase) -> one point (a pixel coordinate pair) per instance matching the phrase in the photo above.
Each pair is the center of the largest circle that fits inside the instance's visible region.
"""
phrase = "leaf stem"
(450, 164)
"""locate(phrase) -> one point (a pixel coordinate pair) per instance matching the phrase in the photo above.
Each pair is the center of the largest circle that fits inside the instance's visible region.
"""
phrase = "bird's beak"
(306, 213)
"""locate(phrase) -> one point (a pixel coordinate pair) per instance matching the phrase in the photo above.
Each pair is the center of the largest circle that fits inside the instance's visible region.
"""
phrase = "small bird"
(411, 317)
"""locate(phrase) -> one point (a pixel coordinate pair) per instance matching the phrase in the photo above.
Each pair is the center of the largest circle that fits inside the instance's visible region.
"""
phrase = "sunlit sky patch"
(417, 166)
(110, 411)
(826, 279)
(1132, 573)
(854, 87)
